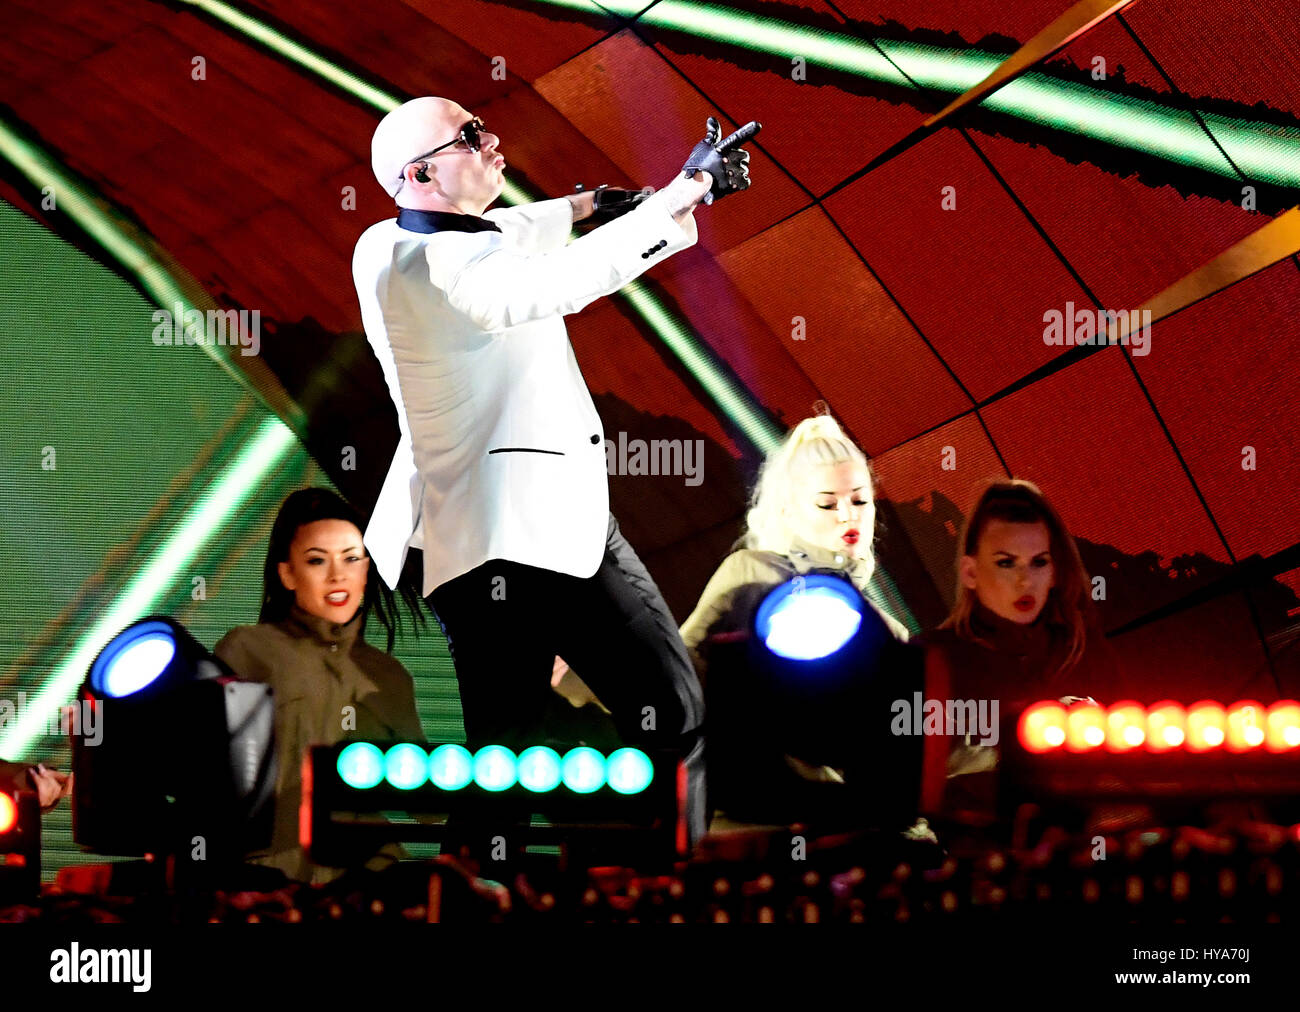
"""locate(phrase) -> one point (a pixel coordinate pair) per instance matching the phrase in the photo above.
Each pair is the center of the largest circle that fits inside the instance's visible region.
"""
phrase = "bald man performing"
(500, 474)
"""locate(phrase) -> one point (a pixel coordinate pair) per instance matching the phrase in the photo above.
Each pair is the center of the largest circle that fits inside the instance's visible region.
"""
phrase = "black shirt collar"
(415, 220)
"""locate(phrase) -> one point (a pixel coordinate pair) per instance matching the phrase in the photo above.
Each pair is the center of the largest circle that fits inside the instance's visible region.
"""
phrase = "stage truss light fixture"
(351, 790)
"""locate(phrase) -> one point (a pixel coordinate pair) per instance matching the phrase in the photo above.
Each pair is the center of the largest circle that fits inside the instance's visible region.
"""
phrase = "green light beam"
(1264, 152)
(272, 442)
(297, 53)
(114, 234)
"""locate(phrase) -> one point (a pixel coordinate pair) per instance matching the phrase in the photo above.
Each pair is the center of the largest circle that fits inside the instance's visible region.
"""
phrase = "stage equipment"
(814, 679)
(1163, 750)
(632, 800)
(185, 751)
(20, 846)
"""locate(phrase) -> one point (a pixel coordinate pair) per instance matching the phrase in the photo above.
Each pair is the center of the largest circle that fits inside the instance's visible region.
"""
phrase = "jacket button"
(645, 256)
(594, 439)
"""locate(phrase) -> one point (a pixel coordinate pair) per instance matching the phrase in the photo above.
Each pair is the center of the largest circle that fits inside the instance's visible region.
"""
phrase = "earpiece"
(421, 175)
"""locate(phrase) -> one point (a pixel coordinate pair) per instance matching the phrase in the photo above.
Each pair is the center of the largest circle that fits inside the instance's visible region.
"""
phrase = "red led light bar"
(1164, 727)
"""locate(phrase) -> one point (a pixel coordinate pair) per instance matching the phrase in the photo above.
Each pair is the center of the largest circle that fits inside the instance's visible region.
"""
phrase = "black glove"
(609, 203)
(729, 169)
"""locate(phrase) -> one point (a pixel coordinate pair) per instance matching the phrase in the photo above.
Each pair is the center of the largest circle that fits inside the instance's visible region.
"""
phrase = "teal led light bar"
(494, 768)
(363, 794)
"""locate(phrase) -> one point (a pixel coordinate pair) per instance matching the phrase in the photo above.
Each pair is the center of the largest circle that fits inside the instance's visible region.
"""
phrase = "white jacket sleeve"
(536, 227)
(499, 288)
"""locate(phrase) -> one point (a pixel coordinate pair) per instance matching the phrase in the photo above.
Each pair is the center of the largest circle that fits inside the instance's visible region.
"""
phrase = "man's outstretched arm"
(499, 288)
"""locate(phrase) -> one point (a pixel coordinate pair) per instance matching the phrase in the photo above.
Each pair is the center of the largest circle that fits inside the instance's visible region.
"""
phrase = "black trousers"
(505, 623)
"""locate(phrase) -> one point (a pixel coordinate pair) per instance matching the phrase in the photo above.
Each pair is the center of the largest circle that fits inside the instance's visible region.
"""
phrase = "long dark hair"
(306, 506)
(1068, 610)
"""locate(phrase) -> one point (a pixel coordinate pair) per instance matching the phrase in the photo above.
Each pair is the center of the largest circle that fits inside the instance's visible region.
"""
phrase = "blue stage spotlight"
(133, 660)
(816, 679)
(810, 617)
(187, 750)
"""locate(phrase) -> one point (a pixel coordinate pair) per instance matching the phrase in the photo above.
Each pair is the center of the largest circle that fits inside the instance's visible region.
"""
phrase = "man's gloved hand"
(724, 160)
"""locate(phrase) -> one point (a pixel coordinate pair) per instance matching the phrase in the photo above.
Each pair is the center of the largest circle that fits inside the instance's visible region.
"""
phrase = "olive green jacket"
(329, 685)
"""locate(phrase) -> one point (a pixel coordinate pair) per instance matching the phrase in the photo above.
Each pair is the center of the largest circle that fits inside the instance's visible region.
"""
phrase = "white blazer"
(502, 454)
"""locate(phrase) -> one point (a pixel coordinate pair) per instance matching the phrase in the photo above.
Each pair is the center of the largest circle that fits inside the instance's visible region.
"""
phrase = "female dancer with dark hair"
(329, 684)
(1022, 628)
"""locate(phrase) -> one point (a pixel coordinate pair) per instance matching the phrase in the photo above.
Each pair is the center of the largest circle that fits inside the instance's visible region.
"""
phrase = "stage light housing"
(1164, 752)
(185, 750)
(816, 665)
(350, 792)
(20, 847)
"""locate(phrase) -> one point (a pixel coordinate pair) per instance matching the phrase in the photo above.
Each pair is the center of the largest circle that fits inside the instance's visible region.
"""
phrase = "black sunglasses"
(471, 135)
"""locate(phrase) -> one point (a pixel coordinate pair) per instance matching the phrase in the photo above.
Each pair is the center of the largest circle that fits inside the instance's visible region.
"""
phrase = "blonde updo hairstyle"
(813, 442)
